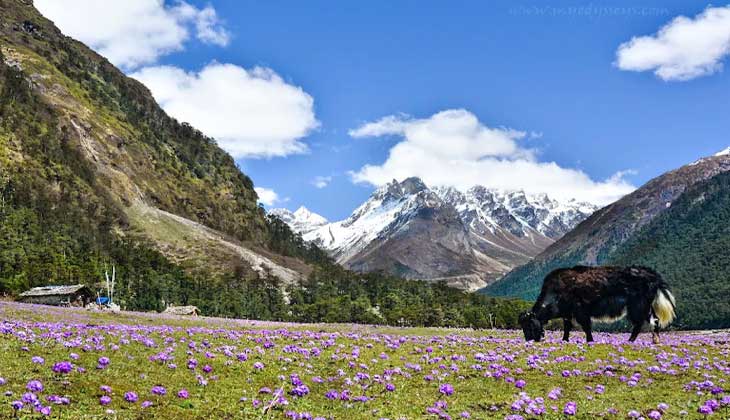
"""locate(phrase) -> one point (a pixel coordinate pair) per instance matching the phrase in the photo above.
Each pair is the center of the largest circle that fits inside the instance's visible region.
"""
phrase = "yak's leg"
(655, 329)
(639, 314)
(567, 324)
(635, 332)
(585, 323)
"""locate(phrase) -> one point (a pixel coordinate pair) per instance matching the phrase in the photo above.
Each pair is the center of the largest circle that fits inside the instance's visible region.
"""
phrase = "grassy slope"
(482, 397)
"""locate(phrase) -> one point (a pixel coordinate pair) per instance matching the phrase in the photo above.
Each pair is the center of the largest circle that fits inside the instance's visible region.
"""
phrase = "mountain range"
(467, 239)
(678, 223)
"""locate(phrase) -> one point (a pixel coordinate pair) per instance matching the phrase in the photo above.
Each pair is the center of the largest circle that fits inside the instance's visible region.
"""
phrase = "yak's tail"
(664, 306)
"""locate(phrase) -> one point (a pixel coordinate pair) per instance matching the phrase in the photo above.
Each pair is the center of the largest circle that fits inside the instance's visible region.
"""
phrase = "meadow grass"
(87, 362)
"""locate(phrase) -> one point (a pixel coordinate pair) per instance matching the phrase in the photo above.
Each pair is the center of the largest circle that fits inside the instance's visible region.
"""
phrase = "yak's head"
(531, 326)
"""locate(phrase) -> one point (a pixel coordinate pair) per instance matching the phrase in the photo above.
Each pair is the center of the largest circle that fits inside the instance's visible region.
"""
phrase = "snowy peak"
(471, 237)
(303, 214)
(301, 221)
(724, 152)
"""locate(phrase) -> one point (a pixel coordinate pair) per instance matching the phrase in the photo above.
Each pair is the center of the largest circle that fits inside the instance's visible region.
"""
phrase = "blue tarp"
(102, 300)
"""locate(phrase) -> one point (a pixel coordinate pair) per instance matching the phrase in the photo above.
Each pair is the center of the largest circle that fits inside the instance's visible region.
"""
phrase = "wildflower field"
(71, 364)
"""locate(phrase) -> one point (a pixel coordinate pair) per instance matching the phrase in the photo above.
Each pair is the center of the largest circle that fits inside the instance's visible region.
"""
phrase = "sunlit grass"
(608, 379)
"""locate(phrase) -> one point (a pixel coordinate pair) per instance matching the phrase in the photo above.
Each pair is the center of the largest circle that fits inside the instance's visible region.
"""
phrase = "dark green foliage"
(333, 294)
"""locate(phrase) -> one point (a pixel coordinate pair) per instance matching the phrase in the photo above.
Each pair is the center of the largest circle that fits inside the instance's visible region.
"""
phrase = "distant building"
(74, 295)
(182, 310)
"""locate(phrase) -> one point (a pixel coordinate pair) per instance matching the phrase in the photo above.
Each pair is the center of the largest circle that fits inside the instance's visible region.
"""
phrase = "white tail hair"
(663, 306)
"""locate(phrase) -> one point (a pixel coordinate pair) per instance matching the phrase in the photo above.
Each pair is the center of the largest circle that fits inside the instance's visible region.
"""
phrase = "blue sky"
(548, 72)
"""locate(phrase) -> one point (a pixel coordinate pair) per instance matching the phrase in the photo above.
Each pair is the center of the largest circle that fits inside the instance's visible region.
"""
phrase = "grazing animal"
(583, 295)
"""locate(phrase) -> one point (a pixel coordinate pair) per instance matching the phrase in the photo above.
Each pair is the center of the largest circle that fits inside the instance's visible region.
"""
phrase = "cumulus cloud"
(267, 196)
(683, 49)
(251, 113)
(454, 148)
(321, 181)
(132, 33)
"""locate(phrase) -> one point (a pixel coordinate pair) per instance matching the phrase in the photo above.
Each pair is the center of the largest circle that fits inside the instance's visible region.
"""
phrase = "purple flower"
(300, 390)
(159, 390)
(131, 396)
(103, 362)
(146, 404)
(570, 408)
(389, 387)
(62, 367)
(30, 398)
(105, 400)
(38, 360)
(17, 405)
(258, 365)
(446, 389)
(34, 386)
(654, 415)
(520, 384)
(106, 389)
(183, 394)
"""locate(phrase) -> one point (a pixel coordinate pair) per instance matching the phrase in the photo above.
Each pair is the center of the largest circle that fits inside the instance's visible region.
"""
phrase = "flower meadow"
(70, 363)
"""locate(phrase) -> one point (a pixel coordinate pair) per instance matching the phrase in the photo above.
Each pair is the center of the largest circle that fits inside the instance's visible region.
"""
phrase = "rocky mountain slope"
(89, 161)
(677, 223)
(466, 238)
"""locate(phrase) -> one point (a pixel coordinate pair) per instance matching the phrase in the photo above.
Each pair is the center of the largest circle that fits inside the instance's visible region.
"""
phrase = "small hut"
(73, 295)
(182, 310)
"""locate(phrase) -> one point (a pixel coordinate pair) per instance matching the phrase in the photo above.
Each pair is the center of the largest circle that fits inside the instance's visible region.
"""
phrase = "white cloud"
(683, 49)
(267, 196)
(453, 148)
(321, 181)
(251, 113)
(132, 33)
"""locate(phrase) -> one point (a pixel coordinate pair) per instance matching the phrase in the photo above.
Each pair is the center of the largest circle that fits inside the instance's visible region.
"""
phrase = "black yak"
(583, 295)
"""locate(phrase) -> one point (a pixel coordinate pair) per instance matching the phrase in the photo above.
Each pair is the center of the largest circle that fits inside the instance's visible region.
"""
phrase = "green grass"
(30, 330)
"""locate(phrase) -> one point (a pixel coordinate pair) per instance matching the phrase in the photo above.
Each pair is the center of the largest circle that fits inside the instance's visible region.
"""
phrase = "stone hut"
(73, 295)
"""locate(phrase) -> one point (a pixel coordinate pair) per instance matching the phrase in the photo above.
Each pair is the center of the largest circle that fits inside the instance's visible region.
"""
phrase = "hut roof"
(53, 290)
(182, 310)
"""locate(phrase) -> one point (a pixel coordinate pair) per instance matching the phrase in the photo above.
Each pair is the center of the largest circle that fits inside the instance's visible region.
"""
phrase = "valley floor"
(72, 363)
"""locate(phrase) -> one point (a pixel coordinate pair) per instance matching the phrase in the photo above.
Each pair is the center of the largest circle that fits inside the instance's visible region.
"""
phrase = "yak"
(582, 295)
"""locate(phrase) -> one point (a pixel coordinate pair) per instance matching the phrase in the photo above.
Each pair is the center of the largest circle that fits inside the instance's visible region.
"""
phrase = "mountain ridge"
(465, 238)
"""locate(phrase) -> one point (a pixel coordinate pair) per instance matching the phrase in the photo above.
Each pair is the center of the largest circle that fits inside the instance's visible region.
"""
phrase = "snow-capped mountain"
(302, 220)
(467, 238)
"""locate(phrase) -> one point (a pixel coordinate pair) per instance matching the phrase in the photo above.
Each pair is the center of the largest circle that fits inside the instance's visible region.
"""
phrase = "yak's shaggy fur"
(582, 295)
